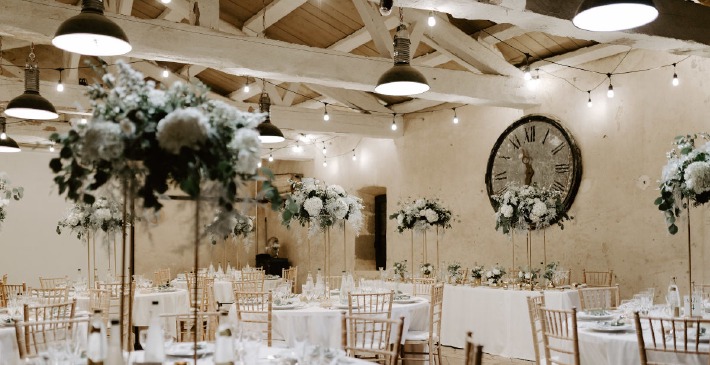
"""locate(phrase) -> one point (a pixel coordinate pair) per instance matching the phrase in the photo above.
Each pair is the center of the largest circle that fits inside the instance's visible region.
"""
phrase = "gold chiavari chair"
(4, 278)
(432, 337)
(254, 311)
(597, 278)
(161, 276)
(559, 334)
(253, 274)
(473, 353)
(100, 300)
(114, 309)
(248, 285)
(564, 277)
(704, 290)
(377, 304)
(49, 296)
(207, 323)
(671, 340)
(291, 275)
(422, 286)
(599, 297)
(534, 305)
(8, 291)
(35, 337)
(204, 285)
(49, 312)
(375, 338)
(51, 283)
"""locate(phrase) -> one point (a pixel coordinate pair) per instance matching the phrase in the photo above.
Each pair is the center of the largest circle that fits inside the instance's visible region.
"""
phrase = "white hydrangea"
(539, 208)
(187, 127)
(431, 216)
(247, 141)
(338, 207)
(313, 206)
(506, 210)
(697, 177)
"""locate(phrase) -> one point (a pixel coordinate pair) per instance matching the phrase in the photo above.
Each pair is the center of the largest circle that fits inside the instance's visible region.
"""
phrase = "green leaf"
(89, 199)
(55, 164)
(66, 152)
(673, 229)
(658, 201)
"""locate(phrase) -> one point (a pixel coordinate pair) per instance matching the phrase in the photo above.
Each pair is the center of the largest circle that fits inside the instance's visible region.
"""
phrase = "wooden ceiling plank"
(580, 56)
(125, 7)
(273, 92)
(290, 94)
(360, 37)
(416, 31)
(413, 105)
(207, 13)
(432, 59)
(191, 71)
(276, 10)
(376, 27)
(354, 99)
(499, 32)
(450, 55)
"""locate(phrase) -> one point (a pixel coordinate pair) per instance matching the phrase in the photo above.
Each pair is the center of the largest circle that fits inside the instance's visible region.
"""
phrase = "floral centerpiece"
(146, 138)
(453, 270)
(528, 275)
(321, 206)
(477, 272)
(421, 214)
(104, 214)
(7, 194)
(528, 207)
(426, 269)
(494, 274)
(550, 269)
(686, 176)
(400, 269)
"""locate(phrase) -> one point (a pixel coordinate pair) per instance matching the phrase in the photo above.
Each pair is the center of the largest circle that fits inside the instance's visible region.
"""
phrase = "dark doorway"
(381, 230)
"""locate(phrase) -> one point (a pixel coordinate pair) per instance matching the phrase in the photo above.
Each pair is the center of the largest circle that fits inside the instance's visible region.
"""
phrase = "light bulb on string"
(3, 136)
(610, 90)
(675, 81)
(60, 84)
(83, 121)
(324, 150)
(246, 88)
(526, 69)
(271, 157)
(51, 148)
(165, 1)
(394, 122)
(456, 117)
(166, 73)
(259, 164)
(354, 156)
(325, 163)
(589, 100)
(297, 148)
(432, 19)
(326, 117)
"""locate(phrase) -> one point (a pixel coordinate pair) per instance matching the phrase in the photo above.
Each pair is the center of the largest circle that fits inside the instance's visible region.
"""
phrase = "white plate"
(343, 306)
(586, 316)
(185, 349)
(406, 301)
(605, 327)
(282, 307)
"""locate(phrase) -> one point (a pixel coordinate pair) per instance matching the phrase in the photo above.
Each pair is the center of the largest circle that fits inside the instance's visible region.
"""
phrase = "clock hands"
(527, 161)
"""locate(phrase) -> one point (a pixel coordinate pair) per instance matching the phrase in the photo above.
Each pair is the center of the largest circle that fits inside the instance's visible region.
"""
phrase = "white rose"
(489, 274)
(697, 176)
(313, 206)
(539, 208)
(431, 216)
(528, 275)
(520, 274)
(496, 272)
(400, 219)
(506, 210)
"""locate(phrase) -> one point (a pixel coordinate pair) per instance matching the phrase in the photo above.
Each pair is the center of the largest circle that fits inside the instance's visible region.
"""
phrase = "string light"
(51, 147)
(246, 88)
(535, 80)
(394, 122)
(325, 162)
(324, 150)
(259, 164)
(166, 73)
(589, 100)
(60, 85)
(432, 19)
(354, 156)
(610, 91)
(165, 1)
(675, 81)
(83, 121)
(271, 155)
(297, 148)
(3, 135)
(526, 69)
(456, 117)
(326, 117)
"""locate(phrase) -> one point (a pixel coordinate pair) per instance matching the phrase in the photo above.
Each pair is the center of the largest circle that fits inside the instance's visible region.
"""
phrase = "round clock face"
(535, 150)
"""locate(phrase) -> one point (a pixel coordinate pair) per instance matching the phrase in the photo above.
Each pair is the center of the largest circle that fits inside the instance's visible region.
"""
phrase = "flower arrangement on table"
(400, 269)
(453, 272)
(146, 138)
(421, 214)
(477, 273)
(426, 269)
(104, 214)
(550, 269)
(7, 194)
(528, 207)
(686, 176)
(321, 206)
(528, 275)
(494, 275)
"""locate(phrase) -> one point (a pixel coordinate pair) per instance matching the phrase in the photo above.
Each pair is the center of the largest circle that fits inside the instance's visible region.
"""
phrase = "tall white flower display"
(7, 194)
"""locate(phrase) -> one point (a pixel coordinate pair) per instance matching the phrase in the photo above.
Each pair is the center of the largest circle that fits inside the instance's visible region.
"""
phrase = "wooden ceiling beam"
(578, 57)
(290, 94)
(432, 59)
(375, 25)
(497, 33)
(360, 37)
(354, 99)
(413, 105)
(276, 10)
(70, 62)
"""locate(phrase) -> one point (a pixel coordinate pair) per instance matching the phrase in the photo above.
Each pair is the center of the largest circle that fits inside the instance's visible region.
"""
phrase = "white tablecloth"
(323, 326)
(223, 292)
(176, 302)
(498, 318)
(9, 352)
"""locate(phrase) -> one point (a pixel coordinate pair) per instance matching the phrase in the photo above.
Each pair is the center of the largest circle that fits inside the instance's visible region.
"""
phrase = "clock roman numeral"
(558, 148)
(504, 157)
(558, 186)
(530, 134)
(561, 168)
(501, 175)
(546, 134)
(516, 142)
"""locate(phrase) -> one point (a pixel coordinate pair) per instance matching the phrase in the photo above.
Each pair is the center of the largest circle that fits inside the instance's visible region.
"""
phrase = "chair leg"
(438, 353)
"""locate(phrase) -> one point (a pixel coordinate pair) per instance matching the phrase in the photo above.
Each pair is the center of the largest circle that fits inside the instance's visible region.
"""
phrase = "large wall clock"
(535, 150)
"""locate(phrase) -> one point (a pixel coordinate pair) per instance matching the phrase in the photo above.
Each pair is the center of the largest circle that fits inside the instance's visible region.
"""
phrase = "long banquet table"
(498, 317)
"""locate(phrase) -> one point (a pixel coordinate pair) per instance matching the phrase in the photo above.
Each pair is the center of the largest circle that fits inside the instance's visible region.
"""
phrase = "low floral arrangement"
(400, 269)
(104, 214)
(550, 269)
(494, 274)
(528, 275)
(7, 194)
(477, 271)
(453, 270)
(426, 269)
(146, 138)
(321, 206)
(686, 176)
(528, 207)
(421, 214)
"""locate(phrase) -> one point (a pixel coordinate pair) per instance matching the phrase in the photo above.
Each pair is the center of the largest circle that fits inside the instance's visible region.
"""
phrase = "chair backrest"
(49, 312)
(114, 289)
(36, 337)
(100, 300)
(49, 296)
(599, 297)
(256, 285)
(9, 291)
(114, 308)
(704, 289)
(254, 311)
(559, 334)
(422, 286)
(473, 353)
(333, 282)
(291, 275)
(372, 337)
(597, 278)
(371, 304)
(436, 310)
(254, 274)
(161, 276)
(204, 285)
(51, 283)
(207, 323)
(562, 277)
(4, 278)
(661, 336)
(534, 305)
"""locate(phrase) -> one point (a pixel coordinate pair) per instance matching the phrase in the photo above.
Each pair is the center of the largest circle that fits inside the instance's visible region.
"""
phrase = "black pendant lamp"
(614, 15)
(7, 144)
(402, 79)
(91, 33)
(31, 105)
(268, 132)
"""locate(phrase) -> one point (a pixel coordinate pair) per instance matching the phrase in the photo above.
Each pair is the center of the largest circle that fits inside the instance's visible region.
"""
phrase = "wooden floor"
(452, 356)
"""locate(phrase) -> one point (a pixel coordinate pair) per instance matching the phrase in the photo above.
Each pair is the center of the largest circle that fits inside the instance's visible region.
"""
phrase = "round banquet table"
(323, 326)
(223, 292)
(9, 352)
(172, 302)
